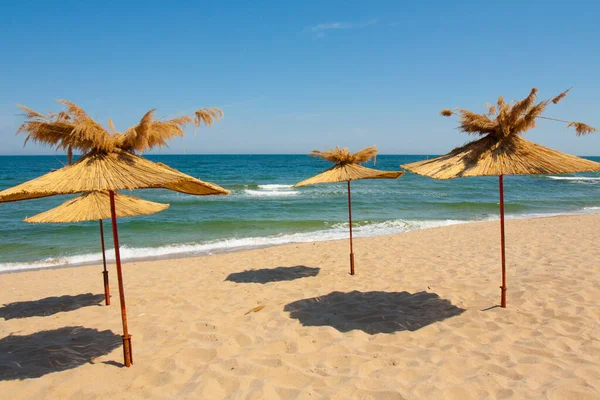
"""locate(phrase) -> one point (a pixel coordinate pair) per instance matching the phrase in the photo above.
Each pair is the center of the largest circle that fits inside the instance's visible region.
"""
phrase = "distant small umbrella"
(347, 168)
(502, 151)
(95, 206)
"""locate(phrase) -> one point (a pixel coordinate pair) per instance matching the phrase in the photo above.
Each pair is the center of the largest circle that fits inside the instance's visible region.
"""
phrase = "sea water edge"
(264, 209)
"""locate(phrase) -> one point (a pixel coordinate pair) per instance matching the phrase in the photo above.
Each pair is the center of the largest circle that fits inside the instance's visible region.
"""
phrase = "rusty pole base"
(503, 296)
(351, 263)
(106, 288)
(127, 350)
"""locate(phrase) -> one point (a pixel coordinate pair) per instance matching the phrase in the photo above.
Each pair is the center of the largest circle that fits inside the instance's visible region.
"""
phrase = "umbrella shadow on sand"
(373, 312)
(41, 353)
(49, 306)
(278, 274)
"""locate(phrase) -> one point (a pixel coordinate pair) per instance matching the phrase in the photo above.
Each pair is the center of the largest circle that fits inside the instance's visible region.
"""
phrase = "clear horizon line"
(242, 154)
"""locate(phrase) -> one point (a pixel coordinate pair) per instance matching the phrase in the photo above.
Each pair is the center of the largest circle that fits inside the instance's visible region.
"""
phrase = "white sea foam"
(574, 178)
(336, 231)
(272, 190)
(271, 193)
(54, 262)
(275, 187)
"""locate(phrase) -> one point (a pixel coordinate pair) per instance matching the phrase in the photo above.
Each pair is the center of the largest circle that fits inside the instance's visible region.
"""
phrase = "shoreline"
(22, 266)
(241, 249)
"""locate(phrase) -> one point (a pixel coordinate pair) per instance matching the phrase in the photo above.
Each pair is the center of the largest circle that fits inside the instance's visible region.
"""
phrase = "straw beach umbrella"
(72, 128)
(502, 151)
(95, 206)
(107, 172)
(104, 167)
(347, 168)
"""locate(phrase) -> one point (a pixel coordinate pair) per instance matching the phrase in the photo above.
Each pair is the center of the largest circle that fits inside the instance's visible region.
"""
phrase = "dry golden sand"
(382, 336)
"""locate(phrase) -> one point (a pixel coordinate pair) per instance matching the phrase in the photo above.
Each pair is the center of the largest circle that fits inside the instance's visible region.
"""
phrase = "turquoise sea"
(264, 209)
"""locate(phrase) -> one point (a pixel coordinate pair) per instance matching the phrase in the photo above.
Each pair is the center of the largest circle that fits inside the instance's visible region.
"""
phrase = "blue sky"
(292, 76)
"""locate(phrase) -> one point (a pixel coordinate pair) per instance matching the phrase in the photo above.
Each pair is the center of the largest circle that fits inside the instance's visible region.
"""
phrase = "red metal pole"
(105, 272)
(503, 287)
(127, 353)
(350, 219)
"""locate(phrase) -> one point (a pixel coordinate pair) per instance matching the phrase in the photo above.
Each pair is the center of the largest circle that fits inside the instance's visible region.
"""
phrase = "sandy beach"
(418, 320)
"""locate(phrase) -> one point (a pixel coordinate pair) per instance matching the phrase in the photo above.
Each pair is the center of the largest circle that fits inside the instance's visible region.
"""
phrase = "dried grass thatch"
(514, 118)
(489, 157)
(150, 133)
(347, 167)
(109, 163)
(349, 172)
(343, 156)
(94, 206)
(561, 96)
(502, 150)
(70, 129)
(74, 129)
(118, 170)
(581, 128)
(190, 185)
(207, 116)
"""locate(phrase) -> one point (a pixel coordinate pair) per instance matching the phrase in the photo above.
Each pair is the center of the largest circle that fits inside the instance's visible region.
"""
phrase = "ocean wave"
(337, 231)
(574, 178)
(275, 187)
(582, 211)
(334, 232)
(271, 193)
(56, 262)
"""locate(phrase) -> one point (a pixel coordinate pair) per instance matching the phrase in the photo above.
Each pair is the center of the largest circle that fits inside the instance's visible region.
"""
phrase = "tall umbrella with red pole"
(73, 129)
(108, 171)
(502, 151)
(108, 164)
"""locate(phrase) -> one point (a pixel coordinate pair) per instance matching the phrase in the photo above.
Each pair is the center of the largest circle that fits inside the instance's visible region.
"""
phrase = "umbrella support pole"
(350, 221)
(127, 351)
(502, 242)
(105, 272)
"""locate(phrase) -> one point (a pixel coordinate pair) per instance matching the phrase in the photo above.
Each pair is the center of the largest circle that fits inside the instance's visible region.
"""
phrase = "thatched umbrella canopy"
(75, 129)
(115, 170)
(108, 164)
(95, 206)
(502, 151)
(347, 168)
